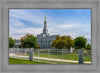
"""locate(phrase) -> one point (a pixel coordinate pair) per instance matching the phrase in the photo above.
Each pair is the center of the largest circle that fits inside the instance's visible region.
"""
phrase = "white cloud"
(88, 36)
(53, 24)
(65, 26)
(17, 34)
(21, 14)
(16, 23)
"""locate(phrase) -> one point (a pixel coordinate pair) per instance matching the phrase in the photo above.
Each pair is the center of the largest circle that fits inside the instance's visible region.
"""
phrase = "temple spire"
(45, 31)
(45, 17)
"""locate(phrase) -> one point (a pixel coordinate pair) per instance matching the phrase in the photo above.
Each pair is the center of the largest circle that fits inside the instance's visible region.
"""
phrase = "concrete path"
(72, 61)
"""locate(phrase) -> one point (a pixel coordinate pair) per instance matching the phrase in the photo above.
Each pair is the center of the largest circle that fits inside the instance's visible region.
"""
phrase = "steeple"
(45, 18)
(45, 31)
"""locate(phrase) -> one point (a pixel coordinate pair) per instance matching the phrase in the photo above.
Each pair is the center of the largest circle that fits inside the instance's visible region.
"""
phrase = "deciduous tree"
(28, 41)
(63, 42)
(80, 42)
(37, 46)
(88, 47)
(11, 42)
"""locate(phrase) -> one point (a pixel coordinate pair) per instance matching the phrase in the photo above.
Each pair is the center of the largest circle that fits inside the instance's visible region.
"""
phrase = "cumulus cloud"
(16, 23)
(17, 34)
(55, 25)
(23, 14)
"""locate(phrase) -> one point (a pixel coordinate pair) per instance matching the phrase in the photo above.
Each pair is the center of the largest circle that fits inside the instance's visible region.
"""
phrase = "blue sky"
(73, 22)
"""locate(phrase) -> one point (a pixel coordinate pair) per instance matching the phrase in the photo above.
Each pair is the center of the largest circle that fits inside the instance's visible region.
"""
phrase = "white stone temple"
(44, 39)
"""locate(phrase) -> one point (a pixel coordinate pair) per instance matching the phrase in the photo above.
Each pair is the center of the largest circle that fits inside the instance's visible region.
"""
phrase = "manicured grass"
(69, 56)
(55, 62)
(19, 61)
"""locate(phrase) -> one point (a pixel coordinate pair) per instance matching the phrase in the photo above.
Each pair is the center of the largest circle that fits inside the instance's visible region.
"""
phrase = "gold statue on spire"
(45, 17)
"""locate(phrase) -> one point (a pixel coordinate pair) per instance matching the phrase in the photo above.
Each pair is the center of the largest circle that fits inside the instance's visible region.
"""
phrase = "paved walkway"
(72, 61)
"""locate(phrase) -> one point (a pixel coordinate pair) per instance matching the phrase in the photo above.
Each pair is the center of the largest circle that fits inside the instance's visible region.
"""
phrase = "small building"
(17, 43)
(45, 39)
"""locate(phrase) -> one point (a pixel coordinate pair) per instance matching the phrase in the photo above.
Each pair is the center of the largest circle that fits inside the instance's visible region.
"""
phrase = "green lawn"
(22, 61)
(59, 56)
(19, 61)
(55, 62)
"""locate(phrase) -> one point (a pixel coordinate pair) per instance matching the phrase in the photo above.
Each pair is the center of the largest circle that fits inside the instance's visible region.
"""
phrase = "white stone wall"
(43, 40)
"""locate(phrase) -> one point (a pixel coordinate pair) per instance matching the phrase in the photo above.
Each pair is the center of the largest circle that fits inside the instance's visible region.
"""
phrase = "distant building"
(45, 39)
(17, 43)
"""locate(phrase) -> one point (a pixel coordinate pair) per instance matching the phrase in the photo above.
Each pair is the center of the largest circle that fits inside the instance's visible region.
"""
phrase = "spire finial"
(45, 17)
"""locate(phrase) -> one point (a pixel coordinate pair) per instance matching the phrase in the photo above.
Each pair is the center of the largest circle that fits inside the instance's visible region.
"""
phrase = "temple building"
(45, 39)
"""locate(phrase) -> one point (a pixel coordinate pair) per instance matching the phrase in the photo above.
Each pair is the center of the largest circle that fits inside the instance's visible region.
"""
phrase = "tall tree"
(62, 42)
(28, 41)
(70, 42)
(80, 42)
(11, 42)
(88, 47)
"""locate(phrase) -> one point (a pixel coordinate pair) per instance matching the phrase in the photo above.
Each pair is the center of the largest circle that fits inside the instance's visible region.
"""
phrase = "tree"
(11, 42)
(88, 47)
(62, 42)
(80, 42)
(57, 37)
(37, 46)
(28, 41)
(70, 42)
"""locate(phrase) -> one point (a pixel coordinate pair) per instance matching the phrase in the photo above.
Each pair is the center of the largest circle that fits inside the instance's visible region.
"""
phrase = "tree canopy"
(80, 42)
(88, 47)
(11, 42)
(28, 41)
(63, 42)
(37, 46)
(70, 42)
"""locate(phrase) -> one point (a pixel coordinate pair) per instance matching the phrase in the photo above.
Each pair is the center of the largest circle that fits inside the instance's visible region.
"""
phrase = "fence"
(51, 56)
